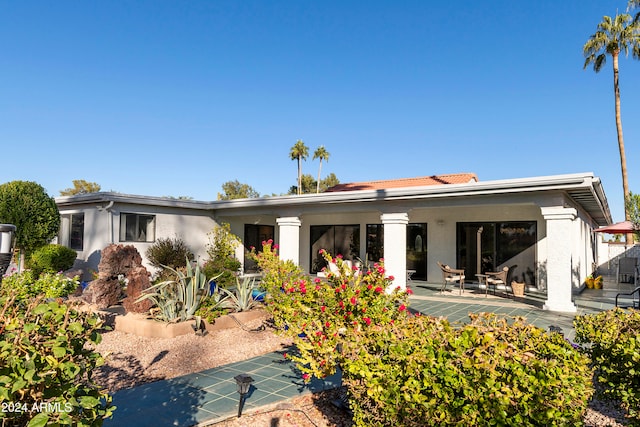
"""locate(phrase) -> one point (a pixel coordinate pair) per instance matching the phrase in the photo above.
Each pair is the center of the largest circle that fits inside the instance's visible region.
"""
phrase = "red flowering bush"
(326, 318)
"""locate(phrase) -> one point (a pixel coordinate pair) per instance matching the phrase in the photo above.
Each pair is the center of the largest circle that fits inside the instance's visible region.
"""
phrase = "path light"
(243, 381)
(557, 329)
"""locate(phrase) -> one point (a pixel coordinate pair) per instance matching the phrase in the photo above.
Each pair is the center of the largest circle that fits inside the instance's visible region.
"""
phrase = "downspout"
(109, 218)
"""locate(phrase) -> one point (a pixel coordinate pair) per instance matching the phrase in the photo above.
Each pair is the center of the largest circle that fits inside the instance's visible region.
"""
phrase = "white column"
(289, 238)
(395, 247)
(559, 242)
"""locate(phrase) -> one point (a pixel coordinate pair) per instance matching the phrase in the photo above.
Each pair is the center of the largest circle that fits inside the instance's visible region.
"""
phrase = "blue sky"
(174, 98)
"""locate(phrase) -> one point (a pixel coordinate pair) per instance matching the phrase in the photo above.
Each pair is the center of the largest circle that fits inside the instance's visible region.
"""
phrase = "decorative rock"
(117, 260)
(138, 281)
(103, 293)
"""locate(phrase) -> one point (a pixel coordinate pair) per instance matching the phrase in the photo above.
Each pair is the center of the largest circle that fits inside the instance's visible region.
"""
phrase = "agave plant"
(240, 298)
(178, 300)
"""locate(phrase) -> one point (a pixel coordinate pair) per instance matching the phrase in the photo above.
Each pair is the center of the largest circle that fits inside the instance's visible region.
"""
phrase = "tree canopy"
(237, 190)
(35, 214)
(309, 184)
(80, 186)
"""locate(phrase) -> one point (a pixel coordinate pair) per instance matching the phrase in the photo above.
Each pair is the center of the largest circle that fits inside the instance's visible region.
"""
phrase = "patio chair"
(627, 271)
(495, 278)
(451, 275)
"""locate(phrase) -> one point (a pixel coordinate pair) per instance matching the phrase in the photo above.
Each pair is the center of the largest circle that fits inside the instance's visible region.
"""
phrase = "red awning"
(623, 227)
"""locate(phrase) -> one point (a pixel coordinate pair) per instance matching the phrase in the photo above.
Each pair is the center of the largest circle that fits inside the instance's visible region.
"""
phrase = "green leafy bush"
(611, 340)
(222, 263)
(50, 285)
(168, 252)
(178, 300)
(20, 285)
(277, 275)
(488, 372)
(51, 259)
(45, 366)
(35, 214)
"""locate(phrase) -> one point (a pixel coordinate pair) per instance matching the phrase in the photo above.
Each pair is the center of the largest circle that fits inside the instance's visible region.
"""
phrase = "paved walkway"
(210, 396)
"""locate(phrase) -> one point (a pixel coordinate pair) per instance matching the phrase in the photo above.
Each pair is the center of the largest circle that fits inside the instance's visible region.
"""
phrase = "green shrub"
(20, 285)
(277, 275)
(55, 285)
(611, 340)
(167, 252)
(46, 367)
(222, 262)
(50, 285)
(488, 372)
(51, 259)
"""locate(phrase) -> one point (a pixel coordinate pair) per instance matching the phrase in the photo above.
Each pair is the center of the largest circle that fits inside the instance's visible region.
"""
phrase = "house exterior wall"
(102, 227)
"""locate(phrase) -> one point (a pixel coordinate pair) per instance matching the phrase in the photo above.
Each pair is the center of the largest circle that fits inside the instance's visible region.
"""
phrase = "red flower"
(323, 308)
(285, 355)
(321, 251)
(327, 324)
(367, 321)
(317, 287)
(305, 376)
(353, 301)
(369, 286)
(379, 290)
(339, 256)
(317, 280)
(409, 291)
(402, 307)
(392, 278)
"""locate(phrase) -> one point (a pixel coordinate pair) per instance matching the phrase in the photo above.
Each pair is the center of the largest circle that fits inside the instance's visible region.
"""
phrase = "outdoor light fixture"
(557, 329)
(243, 381)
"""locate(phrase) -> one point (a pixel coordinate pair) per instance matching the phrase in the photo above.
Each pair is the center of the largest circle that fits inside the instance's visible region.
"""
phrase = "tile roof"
(456, 178)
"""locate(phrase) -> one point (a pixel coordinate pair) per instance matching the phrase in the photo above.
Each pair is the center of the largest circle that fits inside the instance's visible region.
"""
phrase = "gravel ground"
(132, 360)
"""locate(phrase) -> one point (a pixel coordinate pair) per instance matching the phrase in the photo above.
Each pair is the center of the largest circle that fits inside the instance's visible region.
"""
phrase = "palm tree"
(613, 36)
(300, 152)
(322, 154)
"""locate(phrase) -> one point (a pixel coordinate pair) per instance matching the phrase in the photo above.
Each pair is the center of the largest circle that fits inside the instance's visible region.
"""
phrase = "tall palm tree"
(613, 36)
(322, 154)
(300, 152)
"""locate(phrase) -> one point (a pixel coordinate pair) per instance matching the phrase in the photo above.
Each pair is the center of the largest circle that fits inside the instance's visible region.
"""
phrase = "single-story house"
(541, 227)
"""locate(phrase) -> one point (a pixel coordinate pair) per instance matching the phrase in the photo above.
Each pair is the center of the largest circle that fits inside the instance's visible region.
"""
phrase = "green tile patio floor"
(210, 396)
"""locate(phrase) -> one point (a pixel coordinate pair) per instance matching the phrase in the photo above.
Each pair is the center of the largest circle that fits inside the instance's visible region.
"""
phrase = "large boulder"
(103, 293)
(119, 262)
(138, 281)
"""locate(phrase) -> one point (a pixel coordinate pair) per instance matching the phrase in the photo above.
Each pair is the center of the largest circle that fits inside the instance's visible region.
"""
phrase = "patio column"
(289, 238)
(395, 247)
(559, 258)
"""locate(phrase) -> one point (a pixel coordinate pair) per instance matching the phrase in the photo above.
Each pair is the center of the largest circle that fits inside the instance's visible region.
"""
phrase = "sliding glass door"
(489, 246)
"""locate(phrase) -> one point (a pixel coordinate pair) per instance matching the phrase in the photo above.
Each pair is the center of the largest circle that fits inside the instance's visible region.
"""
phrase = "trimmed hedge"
(423, 371)
(612, 339)
(51, 259)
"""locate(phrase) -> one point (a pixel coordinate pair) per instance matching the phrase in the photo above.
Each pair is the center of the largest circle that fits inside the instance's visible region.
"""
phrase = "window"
(137, 227)
(254, 235)
(416, 247)
(76, 231)
(337, 240)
